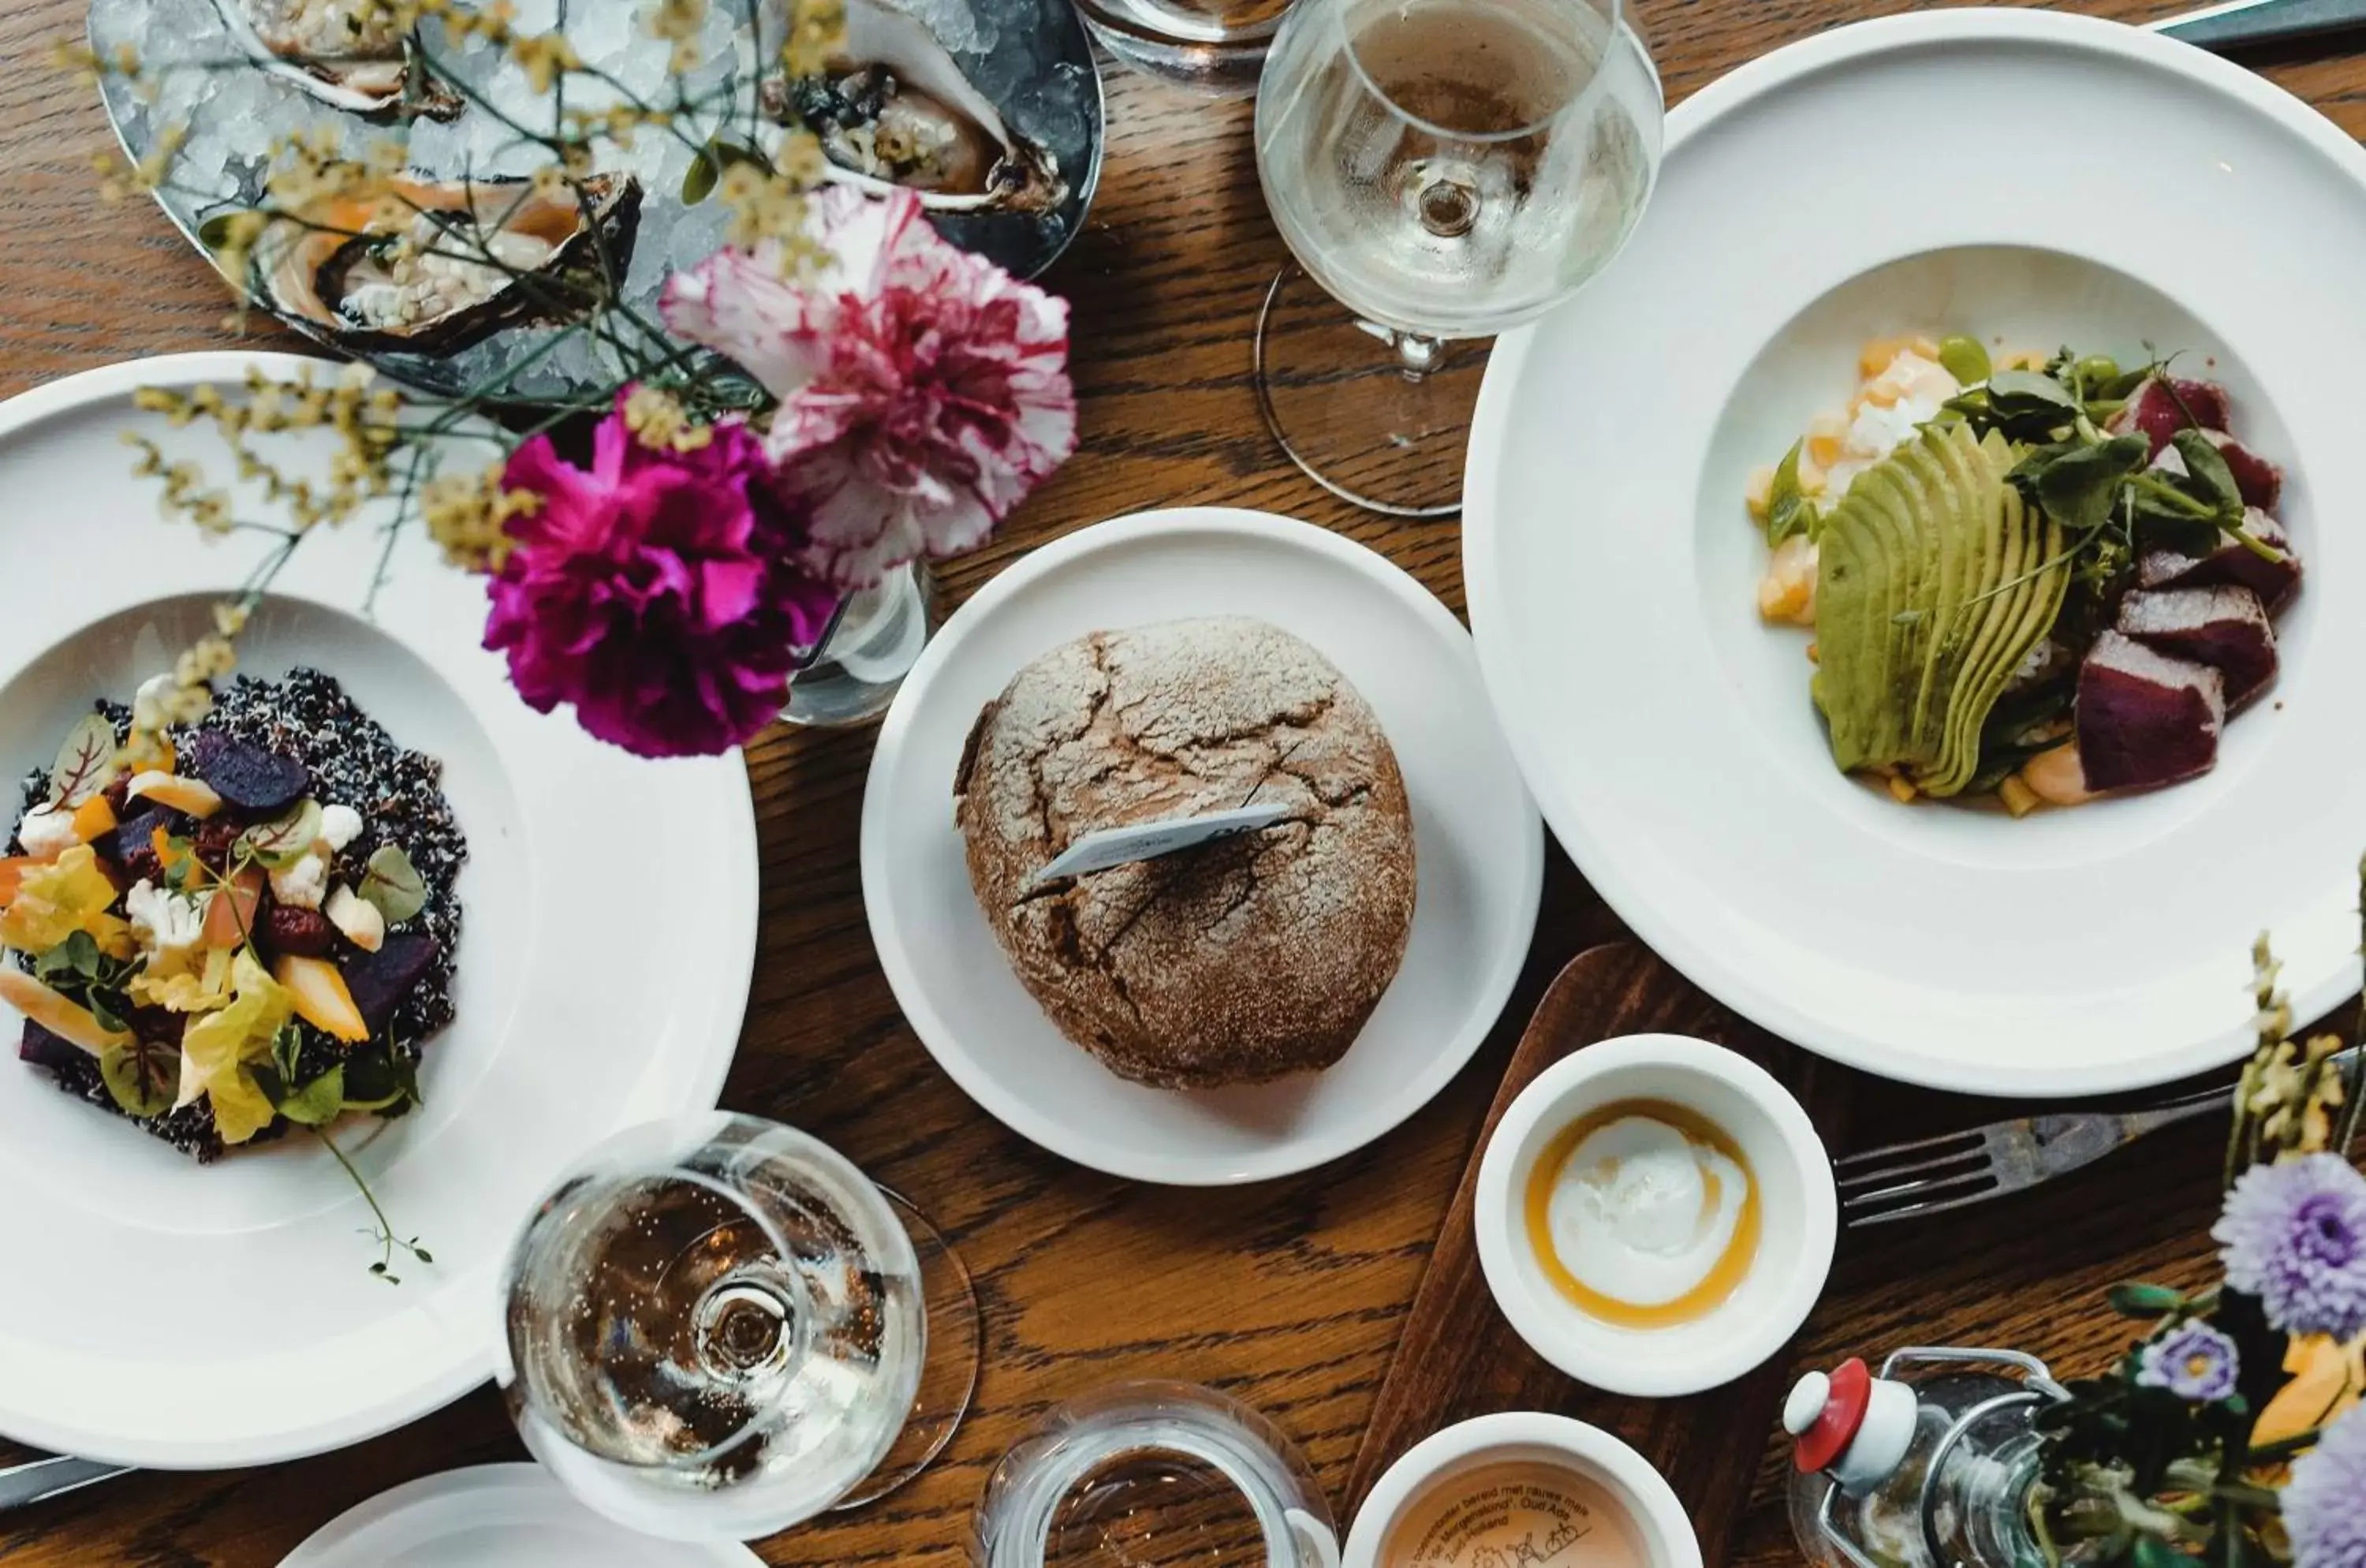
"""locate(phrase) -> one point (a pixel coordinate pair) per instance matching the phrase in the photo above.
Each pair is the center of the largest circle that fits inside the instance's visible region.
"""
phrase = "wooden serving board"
(1458, 1358)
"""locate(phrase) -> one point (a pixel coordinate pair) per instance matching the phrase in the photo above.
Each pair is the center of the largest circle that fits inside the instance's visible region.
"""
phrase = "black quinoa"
(400, 796)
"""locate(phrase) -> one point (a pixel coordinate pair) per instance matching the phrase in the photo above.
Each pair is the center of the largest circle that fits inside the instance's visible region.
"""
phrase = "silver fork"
(1930, 1175)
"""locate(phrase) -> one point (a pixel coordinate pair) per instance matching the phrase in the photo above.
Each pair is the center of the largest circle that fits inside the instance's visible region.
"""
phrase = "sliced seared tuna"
(2145, 719)
(2161, 408)
(2274, 582)
(2222, 627)
(247, 777)
(2261, 482)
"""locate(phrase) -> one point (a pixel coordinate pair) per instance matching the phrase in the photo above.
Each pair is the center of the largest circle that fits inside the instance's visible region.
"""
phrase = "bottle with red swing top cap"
(1927, 1464)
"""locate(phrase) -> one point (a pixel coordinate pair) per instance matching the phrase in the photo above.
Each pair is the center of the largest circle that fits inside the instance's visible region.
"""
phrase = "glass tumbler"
(717, 1327)
(1155, 1475)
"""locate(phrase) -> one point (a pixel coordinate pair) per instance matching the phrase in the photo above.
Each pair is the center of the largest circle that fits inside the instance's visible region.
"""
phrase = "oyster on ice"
(893, 107)
(429, 266)
(348, 53)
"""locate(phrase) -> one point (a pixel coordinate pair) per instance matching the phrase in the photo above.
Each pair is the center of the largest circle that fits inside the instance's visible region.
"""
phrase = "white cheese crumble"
(47, 832)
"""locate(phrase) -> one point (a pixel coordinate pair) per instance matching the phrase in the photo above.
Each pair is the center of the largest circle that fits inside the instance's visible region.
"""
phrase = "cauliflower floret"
(301, 884)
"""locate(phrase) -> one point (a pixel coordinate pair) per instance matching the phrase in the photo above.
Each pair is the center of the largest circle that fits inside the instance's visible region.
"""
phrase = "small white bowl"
(1661, 1525)
(1798, 1202)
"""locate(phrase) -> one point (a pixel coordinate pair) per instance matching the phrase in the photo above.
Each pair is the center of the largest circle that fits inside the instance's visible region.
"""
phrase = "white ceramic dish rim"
(1661, 1514)
(938, 1034)
(2314, 994)
(527, 1489)
(467, 1337)
(1714, 1356)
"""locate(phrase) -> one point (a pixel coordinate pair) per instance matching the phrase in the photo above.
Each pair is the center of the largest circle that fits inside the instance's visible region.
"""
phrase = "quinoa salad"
(252, 927)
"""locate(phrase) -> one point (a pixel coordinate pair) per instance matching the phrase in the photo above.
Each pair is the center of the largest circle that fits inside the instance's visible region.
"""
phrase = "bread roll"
(1235, 962)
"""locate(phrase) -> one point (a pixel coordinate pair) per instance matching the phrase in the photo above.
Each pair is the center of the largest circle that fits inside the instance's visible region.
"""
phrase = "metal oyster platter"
(991, 108)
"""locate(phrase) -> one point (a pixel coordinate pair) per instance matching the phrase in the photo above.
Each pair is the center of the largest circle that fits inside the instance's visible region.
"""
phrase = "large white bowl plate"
(1914, 174)
(158, 1312)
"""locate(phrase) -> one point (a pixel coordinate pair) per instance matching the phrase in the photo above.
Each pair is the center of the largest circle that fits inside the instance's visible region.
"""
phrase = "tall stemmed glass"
(1445, 170)
(718, 1327)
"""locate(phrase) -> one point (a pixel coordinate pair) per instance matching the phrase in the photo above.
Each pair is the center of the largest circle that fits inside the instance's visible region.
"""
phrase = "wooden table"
(1289, 1294)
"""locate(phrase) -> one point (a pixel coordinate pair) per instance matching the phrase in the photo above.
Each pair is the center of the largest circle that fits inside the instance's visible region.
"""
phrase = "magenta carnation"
(656, 592)
(923, 391)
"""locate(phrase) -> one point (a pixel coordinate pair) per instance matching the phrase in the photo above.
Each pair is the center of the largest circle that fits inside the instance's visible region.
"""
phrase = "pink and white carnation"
(923, 391)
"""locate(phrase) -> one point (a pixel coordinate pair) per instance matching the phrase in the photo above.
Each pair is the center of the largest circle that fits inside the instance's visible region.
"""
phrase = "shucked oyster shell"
(345, 53)
(429, 266)
(893, 107)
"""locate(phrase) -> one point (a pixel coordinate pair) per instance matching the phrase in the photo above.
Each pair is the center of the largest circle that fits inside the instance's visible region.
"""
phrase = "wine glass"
(718, 1327)
(1445, 170)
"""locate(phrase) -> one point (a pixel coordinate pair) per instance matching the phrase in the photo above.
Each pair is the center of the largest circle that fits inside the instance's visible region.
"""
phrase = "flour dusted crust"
(1233, 963)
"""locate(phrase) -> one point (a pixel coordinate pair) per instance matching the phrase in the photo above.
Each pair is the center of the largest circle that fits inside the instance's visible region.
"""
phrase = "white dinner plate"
(1478, 846)
(494, 1516)
(2039, 177)
(157, 1312)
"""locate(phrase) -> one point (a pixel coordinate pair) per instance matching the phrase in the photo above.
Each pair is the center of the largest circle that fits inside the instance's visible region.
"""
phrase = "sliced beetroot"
(44, 1049)
(287, 931)
(2231, 563)
(213, 839)
(381, 981)
(2160, 408)
(131, 842)
(2145, 719)
(247, 777)
(2260, 481)
(2222, 627)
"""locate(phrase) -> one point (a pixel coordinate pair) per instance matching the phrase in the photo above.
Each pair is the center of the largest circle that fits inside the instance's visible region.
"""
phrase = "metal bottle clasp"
(2039, 1388)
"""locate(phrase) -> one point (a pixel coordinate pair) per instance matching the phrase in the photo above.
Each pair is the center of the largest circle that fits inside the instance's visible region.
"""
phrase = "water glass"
(1215, 46)
(718, 1327)
(1155, 1475)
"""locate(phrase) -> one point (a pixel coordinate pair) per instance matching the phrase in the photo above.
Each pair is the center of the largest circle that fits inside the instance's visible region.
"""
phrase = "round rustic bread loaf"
(1235, 962)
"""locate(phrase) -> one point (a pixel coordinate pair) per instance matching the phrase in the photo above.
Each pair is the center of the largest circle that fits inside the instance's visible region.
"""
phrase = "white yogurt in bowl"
(1656, 1215)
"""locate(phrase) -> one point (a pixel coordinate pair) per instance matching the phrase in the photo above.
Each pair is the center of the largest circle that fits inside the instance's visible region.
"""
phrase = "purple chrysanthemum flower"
(2295, 1236)
(2193, 1361)
(2324, 1503)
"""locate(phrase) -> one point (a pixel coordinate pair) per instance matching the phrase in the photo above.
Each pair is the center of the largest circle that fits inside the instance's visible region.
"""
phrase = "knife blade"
(2245, 24)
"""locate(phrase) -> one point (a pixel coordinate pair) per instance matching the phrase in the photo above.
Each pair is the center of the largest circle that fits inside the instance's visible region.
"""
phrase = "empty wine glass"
(718, 1327)
(1445, 170)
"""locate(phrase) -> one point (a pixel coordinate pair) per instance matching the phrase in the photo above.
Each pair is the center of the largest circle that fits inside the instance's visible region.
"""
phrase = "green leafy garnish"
(391, 883)
(142, 1074)
(85, 763)
(1788, 510)
(287, 838)
(2079, 486)
(318, 1103)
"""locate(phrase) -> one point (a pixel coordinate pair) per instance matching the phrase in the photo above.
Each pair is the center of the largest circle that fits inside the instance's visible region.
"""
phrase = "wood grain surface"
(1290, 1295)
(1458, 1357)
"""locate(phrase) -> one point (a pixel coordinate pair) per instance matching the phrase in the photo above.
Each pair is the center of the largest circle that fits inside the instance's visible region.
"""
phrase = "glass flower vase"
(871, 646)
